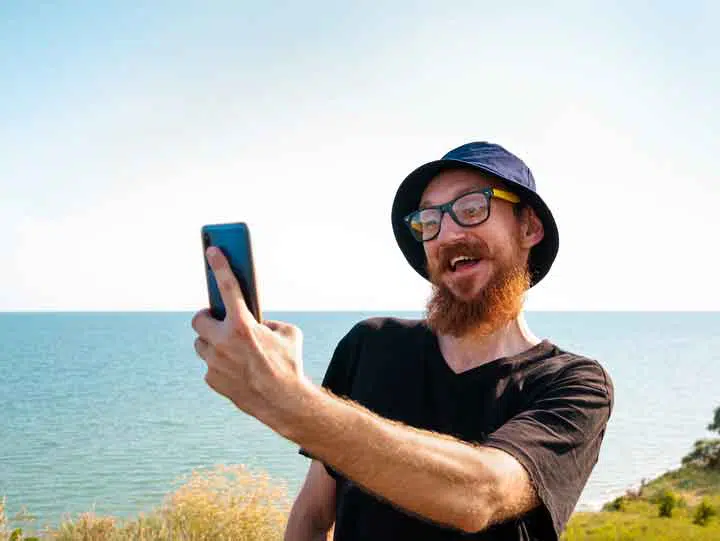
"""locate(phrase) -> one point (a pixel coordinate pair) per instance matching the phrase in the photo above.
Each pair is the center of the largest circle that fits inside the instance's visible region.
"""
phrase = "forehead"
(447, 185)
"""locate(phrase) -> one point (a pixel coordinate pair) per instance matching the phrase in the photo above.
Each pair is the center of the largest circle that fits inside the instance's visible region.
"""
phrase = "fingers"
(202, 348)
(291, 333)
(217, 374)
(217, 381)
(207, 326)
(213, 378)
(208, 353)
(235, 307)
(282, 328)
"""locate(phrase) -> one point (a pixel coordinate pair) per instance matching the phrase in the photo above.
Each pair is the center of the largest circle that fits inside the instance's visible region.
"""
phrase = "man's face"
(479, 272)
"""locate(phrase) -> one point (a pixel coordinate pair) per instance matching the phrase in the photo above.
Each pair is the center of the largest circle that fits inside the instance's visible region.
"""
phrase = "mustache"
(477, 249)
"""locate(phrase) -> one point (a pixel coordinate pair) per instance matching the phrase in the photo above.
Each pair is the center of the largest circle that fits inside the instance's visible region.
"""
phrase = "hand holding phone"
(233, 239)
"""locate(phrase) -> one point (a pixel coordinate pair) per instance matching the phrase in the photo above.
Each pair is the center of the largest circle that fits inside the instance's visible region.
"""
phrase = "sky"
(126, 126)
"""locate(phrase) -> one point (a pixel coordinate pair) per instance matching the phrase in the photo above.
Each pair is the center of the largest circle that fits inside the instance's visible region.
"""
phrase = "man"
(463, 425)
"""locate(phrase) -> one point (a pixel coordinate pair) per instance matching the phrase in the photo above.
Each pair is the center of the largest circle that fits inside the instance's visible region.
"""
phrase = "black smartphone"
(234, 241)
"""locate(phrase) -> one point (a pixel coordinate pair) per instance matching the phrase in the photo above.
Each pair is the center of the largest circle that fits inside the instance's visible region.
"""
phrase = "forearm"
(301, 528)
(313, 513)
(432, 475)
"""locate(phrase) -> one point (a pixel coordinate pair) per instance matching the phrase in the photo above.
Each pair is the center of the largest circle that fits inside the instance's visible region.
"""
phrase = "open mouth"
(463, 262)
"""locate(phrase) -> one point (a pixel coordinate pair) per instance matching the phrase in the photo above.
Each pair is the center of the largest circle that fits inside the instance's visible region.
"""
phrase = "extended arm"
(432, 475)
(445, 480)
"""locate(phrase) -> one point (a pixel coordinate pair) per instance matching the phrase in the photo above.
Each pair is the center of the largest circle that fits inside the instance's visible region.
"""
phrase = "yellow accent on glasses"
(504, 194)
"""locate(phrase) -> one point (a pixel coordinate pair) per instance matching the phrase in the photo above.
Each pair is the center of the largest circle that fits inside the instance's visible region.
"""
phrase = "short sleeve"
(557, 438)
(340, 373)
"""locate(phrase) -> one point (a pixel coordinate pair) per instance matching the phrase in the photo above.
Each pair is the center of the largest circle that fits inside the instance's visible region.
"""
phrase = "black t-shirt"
(546, 407)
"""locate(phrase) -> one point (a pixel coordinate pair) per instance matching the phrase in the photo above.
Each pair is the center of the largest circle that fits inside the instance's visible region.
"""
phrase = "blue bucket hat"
(489, 159)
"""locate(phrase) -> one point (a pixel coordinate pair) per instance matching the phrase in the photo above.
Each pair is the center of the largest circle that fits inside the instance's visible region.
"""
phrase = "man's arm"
(313, 512)
(258, 367)
(431, 475)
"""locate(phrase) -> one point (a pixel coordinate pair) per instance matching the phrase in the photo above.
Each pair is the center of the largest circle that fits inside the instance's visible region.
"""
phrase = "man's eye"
(470, 212)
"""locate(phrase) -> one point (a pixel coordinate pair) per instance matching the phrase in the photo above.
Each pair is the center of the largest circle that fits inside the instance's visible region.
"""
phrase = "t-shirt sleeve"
(557, 439)
(339, 375)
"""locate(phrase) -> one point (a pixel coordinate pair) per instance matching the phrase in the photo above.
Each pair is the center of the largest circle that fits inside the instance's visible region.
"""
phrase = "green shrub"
(17, 535)
(618, 504)
(715, 425)
(667, 502)
(706, 454)
(703, 513)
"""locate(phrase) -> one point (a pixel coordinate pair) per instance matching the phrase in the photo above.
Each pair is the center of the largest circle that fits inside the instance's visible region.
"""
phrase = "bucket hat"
(490, 159)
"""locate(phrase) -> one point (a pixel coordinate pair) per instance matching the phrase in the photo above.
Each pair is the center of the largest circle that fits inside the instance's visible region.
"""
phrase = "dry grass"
(225, 503)
(3, 519)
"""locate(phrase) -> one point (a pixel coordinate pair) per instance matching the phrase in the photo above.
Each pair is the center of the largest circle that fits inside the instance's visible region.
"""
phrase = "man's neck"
(471, 350)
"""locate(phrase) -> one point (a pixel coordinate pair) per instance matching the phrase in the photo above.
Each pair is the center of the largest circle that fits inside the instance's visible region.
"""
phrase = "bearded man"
(463, 425)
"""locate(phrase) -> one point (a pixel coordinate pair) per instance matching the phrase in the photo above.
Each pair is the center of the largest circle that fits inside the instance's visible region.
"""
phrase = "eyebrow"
(462, 191)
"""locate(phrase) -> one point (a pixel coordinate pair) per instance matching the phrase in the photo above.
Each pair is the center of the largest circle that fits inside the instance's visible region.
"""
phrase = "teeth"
(455, 260)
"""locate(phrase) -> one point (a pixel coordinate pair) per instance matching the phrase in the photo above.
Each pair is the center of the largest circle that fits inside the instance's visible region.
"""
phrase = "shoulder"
(588, 369)
(555, 368)
(370, 351)
(390, 324)
(390, 328)
(377, 340)
(381, 334)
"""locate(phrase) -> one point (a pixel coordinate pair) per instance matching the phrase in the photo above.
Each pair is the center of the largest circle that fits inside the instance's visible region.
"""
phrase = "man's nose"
(449, 230)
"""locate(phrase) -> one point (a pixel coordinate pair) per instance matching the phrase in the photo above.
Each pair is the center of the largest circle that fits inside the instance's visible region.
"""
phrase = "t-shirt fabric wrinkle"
(546, 407)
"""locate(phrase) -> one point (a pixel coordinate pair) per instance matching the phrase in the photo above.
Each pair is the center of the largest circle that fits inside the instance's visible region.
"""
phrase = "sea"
(109, 412)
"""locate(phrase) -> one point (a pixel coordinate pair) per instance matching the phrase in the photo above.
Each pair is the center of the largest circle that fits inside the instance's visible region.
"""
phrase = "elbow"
(466, 517)
(474, 522)
(479, 508)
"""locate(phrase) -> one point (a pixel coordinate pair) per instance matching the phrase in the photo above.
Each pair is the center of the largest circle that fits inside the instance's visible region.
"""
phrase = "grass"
(230, 503)
(225, 503)
(636, 516)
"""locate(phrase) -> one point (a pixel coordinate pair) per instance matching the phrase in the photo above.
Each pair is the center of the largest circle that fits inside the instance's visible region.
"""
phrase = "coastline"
(205, 496)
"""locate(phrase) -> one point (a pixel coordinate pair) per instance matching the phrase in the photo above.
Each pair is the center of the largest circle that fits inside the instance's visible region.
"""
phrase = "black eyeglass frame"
(489, 193)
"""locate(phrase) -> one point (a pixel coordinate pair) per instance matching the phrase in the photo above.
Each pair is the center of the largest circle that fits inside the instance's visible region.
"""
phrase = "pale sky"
(124, 127)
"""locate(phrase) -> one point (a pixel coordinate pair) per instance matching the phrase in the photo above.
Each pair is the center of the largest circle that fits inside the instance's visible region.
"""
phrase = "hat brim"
(407, 200)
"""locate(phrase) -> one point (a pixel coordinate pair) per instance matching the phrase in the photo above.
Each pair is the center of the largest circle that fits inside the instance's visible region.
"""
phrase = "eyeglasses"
(467, 210)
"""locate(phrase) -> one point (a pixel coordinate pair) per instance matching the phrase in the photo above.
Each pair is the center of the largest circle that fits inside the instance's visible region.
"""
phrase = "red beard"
(499, 302)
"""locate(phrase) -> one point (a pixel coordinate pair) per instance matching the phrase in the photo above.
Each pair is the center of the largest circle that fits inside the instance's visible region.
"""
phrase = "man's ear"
(531, 228)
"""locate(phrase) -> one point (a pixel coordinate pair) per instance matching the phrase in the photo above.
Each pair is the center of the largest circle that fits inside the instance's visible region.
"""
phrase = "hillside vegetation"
(230, 503)
(678, 506)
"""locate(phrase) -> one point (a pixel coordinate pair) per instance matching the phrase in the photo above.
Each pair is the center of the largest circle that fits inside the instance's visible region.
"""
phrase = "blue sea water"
(106, 411)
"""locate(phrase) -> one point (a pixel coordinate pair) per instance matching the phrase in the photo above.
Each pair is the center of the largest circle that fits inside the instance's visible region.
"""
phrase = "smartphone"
(234, 241)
